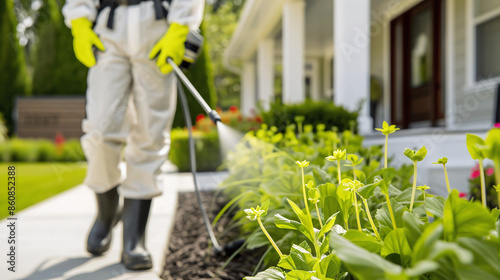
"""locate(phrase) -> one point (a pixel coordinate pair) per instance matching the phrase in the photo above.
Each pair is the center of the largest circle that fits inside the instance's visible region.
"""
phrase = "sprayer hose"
(192, 161)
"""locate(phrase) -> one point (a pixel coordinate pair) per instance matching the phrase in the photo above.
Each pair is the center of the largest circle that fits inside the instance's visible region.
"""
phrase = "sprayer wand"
(214, 116)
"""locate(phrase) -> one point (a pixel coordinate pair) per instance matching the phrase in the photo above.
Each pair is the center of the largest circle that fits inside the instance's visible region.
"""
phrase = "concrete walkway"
(51, 235)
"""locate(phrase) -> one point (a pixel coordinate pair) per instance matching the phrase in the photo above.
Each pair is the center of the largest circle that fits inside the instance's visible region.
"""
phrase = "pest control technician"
(125, 43)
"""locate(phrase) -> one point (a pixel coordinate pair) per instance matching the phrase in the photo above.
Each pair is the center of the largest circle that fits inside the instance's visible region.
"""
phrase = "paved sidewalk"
(51, 235)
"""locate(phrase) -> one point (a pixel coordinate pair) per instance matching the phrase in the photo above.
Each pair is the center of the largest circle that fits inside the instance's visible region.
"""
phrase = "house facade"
(432, 67)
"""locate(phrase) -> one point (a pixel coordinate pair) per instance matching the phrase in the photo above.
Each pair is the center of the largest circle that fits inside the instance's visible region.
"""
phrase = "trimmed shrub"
(23, 150)
(208, 156)
(281, 115)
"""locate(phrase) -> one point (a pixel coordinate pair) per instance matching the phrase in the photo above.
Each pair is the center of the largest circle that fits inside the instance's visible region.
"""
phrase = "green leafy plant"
(386, 130)
(413, 235)
(492, 148)
(255, 214)
(444, 161)
(475, 146)
(337, 156)
(415, 156)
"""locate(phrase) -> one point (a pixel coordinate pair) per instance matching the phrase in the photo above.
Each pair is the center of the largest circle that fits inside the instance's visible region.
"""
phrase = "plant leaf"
(384, 218)
(416, 155)
(327, 189)
(413, 227)
(320, 176)
(493, 142)
(303, 219)
(313, 195)
(327, 226)
(364, 240)
(472, 142)
(344, 199)
(272, 273)
(387, 174)
(265, 207)
(300, 275)
(423, 247)
(284, 223)
(485, 255)
(420, 154)
(360, 175)
(435, 206)
(310, 184)
(409, 153)
(303, 257)
(329, 266)
(367, 190)
(362, 264)
(396, 243)
(421, 268)
(467, 219)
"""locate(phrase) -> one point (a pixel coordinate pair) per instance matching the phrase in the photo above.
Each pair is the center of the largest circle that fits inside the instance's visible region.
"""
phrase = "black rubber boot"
(135, 217)
(99, 238)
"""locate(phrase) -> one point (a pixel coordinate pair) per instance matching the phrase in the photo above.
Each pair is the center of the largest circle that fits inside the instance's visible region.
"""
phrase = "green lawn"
(38, 181)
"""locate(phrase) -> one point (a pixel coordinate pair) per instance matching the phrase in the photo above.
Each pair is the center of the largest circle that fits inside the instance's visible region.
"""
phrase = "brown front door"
(417, 98)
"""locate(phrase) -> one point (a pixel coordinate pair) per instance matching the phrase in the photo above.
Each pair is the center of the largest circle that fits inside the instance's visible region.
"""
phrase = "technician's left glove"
(170, 45)
(83, 40)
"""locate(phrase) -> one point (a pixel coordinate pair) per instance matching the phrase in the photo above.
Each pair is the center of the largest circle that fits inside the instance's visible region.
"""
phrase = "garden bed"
(190, 255)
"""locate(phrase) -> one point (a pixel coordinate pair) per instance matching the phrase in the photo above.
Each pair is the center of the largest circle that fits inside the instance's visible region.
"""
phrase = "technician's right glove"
(170, 45)
(83, 40)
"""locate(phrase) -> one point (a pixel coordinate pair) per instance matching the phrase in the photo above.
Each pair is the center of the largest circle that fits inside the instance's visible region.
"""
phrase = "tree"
(56, 69)
(221, 21)
(13, 77)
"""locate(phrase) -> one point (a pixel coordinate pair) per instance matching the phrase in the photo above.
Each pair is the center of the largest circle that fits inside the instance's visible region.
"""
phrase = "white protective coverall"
(122, 71)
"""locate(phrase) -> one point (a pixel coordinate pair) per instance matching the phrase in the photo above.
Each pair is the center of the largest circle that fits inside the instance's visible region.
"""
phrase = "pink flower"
(490, 171)
(497, 125)
(475, 168)
(474, 174)
(462, 195)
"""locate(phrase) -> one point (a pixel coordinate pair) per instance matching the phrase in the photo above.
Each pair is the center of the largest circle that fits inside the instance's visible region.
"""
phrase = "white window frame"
(471, 23)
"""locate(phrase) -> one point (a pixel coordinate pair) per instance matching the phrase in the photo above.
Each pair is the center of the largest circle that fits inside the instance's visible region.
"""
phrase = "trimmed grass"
(36, 182)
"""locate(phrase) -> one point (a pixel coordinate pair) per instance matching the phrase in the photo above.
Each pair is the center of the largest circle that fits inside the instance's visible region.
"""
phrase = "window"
(486, 42)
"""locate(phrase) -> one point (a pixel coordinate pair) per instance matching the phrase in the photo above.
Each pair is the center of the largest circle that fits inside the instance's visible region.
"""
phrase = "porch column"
(293, 51)
(265, 64)
(248, 89)
(351, 45)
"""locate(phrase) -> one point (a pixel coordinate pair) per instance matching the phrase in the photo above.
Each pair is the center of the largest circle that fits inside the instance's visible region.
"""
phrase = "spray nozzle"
(214, 116)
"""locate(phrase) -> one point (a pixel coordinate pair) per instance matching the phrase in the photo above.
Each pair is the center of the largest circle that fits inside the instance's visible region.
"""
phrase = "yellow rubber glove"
(83, 40)
(170, 45)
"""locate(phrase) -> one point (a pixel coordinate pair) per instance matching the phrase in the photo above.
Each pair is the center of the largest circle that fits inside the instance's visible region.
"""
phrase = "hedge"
(314, 112)
(29, 150)
(208, 156)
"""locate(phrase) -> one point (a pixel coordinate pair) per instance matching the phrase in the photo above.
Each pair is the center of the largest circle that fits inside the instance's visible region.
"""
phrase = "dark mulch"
(190, 254)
